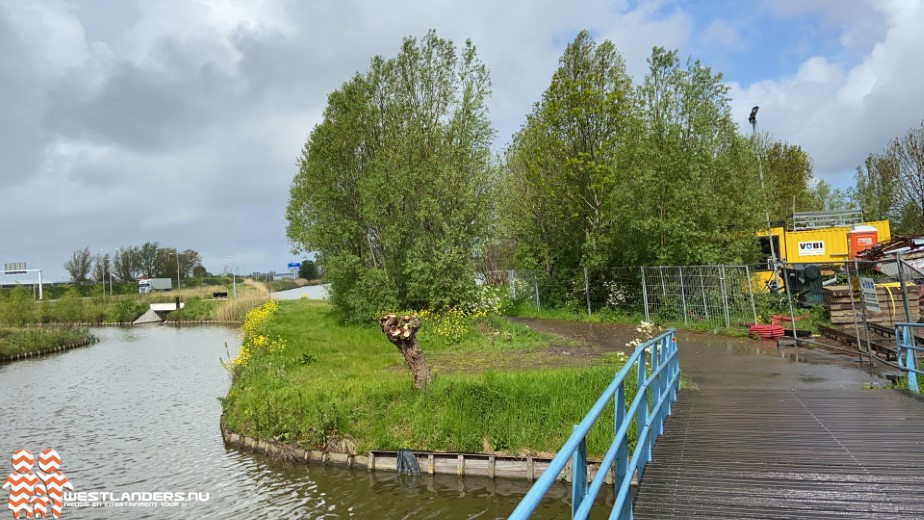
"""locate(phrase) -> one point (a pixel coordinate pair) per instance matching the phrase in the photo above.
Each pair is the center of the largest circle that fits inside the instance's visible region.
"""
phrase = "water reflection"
(139, 412)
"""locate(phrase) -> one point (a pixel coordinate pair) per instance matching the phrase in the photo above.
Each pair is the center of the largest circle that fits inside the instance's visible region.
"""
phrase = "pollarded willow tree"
(395, 185)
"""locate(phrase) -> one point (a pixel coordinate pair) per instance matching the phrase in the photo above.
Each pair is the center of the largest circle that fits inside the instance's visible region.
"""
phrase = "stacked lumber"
(837, 303)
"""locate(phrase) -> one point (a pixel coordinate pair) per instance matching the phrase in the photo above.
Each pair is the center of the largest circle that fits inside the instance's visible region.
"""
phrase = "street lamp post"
(177, 255)
(760, 171)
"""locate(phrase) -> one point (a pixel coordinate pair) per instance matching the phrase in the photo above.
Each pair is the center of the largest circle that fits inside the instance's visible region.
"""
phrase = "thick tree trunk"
(402, 332)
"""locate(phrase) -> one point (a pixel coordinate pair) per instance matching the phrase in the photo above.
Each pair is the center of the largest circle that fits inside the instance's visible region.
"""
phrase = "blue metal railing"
(906, 351)
(655, 392)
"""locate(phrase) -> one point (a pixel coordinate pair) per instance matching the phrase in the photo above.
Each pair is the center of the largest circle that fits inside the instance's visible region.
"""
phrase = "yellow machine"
(821, 237)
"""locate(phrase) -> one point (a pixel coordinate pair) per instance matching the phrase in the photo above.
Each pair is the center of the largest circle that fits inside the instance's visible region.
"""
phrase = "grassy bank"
(305, 377)
(15, 341)
(18, 309)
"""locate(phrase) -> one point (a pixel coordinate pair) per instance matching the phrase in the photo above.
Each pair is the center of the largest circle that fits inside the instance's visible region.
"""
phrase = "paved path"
(315, 292)
(774, 433)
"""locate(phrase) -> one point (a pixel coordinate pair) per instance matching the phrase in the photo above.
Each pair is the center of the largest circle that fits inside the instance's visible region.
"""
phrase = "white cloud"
(842, 110)
(181, 121)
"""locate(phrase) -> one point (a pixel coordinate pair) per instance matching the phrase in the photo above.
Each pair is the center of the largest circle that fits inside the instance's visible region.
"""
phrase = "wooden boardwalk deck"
(781, 454)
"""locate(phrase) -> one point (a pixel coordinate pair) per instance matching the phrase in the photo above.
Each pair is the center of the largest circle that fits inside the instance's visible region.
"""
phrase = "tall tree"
(147, 258)
(395, 184)
(101, 267)
(908, 153)
(564, 166)
(189, 259)
(696, 188)
(876, 187)
(126, 263)
(890, 184)
(78, 265)
(788, 177)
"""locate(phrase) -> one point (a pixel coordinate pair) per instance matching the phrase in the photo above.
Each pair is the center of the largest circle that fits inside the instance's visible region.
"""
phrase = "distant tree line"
(401, 199)
(131, 262)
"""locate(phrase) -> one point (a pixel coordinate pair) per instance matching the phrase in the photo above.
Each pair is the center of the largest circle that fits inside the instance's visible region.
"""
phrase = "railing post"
(644, 293)
(641, 418)
(655, 389)
(578, 475)
(908, 363)
(622, 452)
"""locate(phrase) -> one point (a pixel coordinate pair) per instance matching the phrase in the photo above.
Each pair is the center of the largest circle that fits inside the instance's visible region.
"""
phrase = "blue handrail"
(652, 404)
(905, 351)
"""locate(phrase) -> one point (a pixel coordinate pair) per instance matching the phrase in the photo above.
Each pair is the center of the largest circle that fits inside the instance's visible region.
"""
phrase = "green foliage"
(789, 181)
(308, 270)
(395, 185)
(127, 310)
(20, 341)
(195, 309)
(16, 308)
(70, 307)
(606, 174)
(333, 381)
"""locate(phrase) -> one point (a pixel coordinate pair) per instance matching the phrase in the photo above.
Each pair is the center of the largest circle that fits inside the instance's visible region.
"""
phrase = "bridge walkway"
(783, 453)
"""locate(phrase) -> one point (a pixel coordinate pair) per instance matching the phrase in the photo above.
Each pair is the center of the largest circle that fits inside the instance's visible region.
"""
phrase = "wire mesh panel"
(616, 290)
(715, 295)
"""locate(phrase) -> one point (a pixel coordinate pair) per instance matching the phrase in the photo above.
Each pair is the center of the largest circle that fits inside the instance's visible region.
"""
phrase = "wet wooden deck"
(775, 454)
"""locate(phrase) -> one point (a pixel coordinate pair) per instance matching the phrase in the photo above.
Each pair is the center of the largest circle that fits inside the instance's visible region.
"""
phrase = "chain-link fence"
(715, 295)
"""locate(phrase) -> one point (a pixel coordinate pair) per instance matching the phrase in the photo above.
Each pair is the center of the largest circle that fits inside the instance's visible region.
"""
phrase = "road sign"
(870, 298)
(14, 268)
(294, 265)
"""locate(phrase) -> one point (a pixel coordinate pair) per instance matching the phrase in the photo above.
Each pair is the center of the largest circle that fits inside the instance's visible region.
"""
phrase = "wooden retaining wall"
(52, 350)
(461, 464)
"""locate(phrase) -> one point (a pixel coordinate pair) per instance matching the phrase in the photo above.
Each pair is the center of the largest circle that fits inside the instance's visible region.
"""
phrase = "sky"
(180, 121)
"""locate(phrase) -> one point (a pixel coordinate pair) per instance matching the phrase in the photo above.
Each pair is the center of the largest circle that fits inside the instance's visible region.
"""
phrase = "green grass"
(196, 309)
(15, 341)
(333, 381)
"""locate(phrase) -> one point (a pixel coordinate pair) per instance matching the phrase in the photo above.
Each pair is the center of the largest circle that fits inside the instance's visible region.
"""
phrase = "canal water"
(137, 414)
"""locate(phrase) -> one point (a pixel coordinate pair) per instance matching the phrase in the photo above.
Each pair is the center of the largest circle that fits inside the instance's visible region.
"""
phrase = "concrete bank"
(461, 464)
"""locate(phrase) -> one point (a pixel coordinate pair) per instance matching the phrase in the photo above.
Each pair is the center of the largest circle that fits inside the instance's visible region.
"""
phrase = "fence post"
(644, 293)
(869, 346)
(853, 310)
(587, 291)
(683, 296)
(641, 418)
(579, 475)
(724, 296)
(901, 283)
(747, 273)
(513, 286)
(702, 288)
